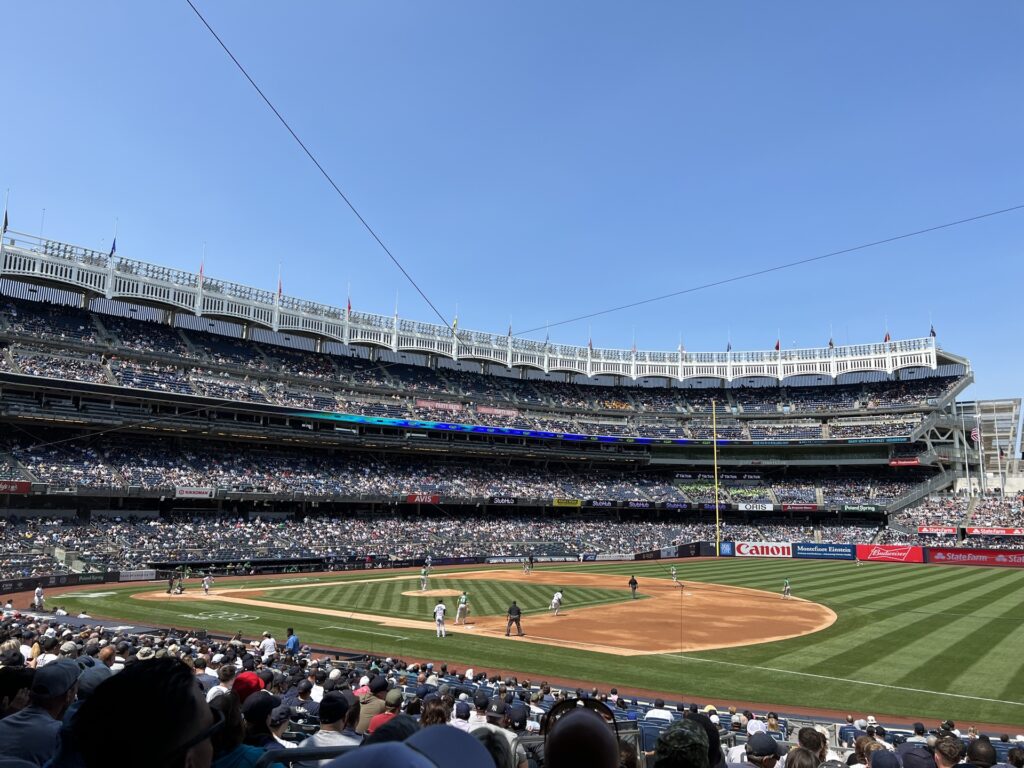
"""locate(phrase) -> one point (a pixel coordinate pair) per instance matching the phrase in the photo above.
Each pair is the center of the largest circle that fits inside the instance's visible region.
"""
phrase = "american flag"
(975, 435)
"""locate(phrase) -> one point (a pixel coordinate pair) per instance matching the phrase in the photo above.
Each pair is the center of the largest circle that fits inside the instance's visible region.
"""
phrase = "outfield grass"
(911, 640)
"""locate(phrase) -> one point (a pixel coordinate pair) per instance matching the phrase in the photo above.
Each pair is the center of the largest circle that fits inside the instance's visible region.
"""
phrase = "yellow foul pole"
(714, 443)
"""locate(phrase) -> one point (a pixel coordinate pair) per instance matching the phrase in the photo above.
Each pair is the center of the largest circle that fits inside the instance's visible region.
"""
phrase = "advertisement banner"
(764, 549)
(816, 551)
(437, 405)
(891, 553)
(756, 507)
(677, 505)
(938, 530)
(146, 574)
(606, 503)
(799, 507)
(725, 549)
(695, 476)
(640, 504)
(863, 508)
(566, 503)
(614, 556)
(654, 554)
(15, 486)
(422, 498)
(912, 462)
(506, 501)
(497, 411)
(192, 492)
(995, 557)
(974, 531)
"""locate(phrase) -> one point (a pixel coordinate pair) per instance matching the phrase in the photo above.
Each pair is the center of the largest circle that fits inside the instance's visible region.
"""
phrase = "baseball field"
(915, 641)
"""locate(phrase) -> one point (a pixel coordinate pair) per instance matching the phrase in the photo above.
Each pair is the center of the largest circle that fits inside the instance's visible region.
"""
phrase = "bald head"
(581, 738)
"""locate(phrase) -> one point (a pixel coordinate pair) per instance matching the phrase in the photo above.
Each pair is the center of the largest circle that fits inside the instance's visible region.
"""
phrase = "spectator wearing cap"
(428, 748)
(761, 750)
(684, 744)
(919, 736)
(245, 685)
(333, 708)
(659, 711)
(479, 714)
(160, 715)
(31, 734)
(460, 716)
(277, 722)
(392, 706)
(371, 703)
(229, 749)
(304, 698)
(883, 758)
(498, 723)
(256, 716)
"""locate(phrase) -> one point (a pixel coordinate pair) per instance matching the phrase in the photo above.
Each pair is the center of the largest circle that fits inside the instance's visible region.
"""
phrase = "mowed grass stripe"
(893, 630)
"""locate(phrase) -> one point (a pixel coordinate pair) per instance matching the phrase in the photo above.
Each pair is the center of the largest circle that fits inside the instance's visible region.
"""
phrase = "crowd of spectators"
(225, 367)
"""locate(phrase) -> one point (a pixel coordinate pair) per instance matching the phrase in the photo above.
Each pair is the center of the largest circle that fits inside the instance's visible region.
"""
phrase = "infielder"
(673, 574)
(633, 585)
(423, 579)
(207, 583)
(439, 611)
(786, 591)
(463, 610)
(39, 599)
(556, 602)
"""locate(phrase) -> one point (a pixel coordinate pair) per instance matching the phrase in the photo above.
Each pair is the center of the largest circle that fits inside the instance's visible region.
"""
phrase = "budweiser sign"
(941, 530)
(15, 486)
(995, 531)
(764, 549)
(892, 553)
(422, 498)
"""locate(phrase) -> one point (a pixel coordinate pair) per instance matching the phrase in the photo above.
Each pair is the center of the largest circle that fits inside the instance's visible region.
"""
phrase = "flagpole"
(967, 465)
(999, 454)
(714, 443)
(3, 227)
(981, 449)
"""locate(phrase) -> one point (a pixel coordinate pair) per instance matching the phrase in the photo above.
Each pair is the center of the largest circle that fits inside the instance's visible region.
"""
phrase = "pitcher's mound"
(432, 593)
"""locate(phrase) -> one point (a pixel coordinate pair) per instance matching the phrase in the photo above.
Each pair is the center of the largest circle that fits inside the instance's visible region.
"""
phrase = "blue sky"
(532, 161)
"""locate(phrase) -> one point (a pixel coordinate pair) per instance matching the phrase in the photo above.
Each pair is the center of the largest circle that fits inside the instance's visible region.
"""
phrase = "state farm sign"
(994, 557)
(764, 549)
(972, 531)
(941, 530)
(893, 553)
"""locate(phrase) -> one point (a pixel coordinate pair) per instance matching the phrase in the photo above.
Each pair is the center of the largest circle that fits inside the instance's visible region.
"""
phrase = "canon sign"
(764, 549)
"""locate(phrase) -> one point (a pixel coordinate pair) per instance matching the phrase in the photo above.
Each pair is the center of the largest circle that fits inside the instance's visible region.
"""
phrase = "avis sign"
(422, 498)
(764, 549)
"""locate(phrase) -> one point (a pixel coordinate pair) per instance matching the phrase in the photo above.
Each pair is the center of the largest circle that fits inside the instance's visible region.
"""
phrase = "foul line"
(364, 631)
(679, 657)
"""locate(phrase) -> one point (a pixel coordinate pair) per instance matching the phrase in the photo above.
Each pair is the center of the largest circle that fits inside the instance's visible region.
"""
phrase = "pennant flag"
(932, 332)
(976, 435)
(350, 305)
(778, 344)
(113, 248)
(887, 338)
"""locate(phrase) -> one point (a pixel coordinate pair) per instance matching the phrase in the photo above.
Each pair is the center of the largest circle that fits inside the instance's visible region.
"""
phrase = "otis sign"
(764, 549)
(892, 553)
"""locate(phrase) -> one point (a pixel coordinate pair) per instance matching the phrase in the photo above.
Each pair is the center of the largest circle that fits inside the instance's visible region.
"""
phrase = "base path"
(670, 619)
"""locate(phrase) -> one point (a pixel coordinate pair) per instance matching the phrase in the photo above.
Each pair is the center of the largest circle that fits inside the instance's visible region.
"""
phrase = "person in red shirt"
(392, 706)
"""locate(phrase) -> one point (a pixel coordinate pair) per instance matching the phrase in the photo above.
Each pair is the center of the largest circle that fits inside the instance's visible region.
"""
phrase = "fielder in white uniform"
(439, 611)
(423, 579)
(556, 602)
(463, 610)
(40, 600)
(207, 583)
(672, 572)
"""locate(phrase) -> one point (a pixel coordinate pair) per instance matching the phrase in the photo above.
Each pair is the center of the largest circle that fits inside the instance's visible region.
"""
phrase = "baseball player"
(526, 565)
(786, 590)
(207, 583)
(439, 611)
(556, 602)
(673, 574)
(463, 610)
(633, 585)
(423, 579)
(40, 600)
(428, 563)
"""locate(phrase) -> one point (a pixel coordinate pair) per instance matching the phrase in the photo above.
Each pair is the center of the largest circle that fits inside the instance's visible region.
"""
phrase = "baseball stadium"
(810, 531)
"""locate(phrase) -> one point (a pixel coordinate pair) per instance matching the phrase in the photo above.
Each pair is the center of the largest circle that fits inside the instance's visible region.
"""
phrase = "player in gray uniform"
(423, 579)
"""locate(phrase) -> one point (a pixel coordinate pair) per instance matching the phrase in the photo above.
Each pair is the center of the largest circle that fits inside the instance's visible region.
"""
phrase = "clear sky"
(532, 161)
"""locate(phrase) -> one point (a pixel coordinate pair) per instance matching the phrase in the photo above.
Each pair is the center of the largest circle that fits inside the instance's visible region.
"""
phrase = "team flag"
(778, 344)
(728, 347)
(976, 435)
(887, 338)
(113, 247)
(4, 230)
(831, 344)
(932, 332)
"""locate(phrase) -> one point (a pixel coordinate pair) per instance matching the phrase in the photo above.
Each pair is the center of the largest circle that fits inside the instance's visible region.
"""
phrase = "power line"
(320, 168)
(768, 270)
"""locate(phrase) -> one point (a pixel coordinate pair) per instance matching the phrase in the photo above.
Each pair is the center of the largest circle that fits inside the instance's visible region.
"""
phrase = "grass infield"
(910, 640)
